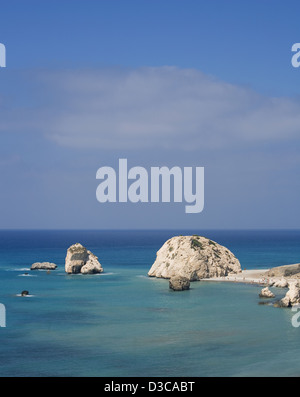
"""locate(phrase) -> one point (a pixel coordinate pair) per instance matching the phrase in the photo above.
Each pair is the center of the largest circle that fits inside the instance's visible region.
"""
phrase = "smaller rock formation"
(266, 293)
(81, 260)
(43, 266)
(24, 293)
(178, 283)
(292, 297)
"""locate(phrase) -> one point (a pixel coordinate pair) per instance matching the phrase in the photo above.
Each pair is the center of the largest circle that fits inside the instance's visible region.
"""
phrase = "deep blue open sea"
(123, 323)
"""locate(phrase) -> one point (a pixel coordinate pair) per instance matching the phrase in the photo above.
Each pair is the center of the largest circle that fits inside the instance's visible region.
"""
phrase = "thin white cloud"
(163, 107)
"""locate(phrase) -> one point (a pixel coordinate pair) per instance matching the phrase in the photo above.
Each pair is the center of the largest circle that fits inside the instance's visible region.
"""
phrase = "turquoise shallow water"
(123, 323)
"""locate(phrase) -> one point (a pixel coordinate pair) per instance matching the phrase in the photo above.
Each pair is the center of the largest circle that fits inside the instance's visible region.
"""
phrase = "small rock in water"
(24, 293)
(266, 293)
(178, 283)
(264, 302)
(43, 266)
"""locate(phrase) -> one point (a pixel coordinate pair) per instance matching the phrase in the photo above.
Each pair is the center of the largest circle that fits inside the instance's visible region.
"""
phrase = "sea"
(122, 323)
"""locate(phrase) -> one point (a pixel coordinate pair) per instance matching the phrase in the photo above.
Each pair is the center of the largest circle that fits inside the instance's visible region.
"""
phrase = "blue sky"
(244, 42)
(168, 82)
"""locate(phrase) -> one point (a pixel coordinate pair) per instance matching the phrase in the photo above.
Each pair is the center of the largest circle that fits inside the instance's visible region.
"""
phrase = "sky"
(189, 83)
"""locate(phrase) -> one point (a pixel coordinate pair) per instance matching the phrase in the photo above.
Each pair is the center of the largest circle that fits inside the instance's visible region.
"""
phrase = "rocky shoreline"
(286, 277)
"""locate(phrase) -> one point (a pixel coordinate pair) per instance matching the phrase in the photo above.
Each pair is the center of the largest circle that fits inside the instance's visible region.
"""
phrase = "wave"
(106, 274)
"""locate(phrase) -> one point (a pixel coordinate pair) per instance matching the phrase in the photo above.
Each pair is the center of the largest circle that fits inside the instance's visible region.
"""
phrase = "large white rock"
(193, 257)
(81, 260)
